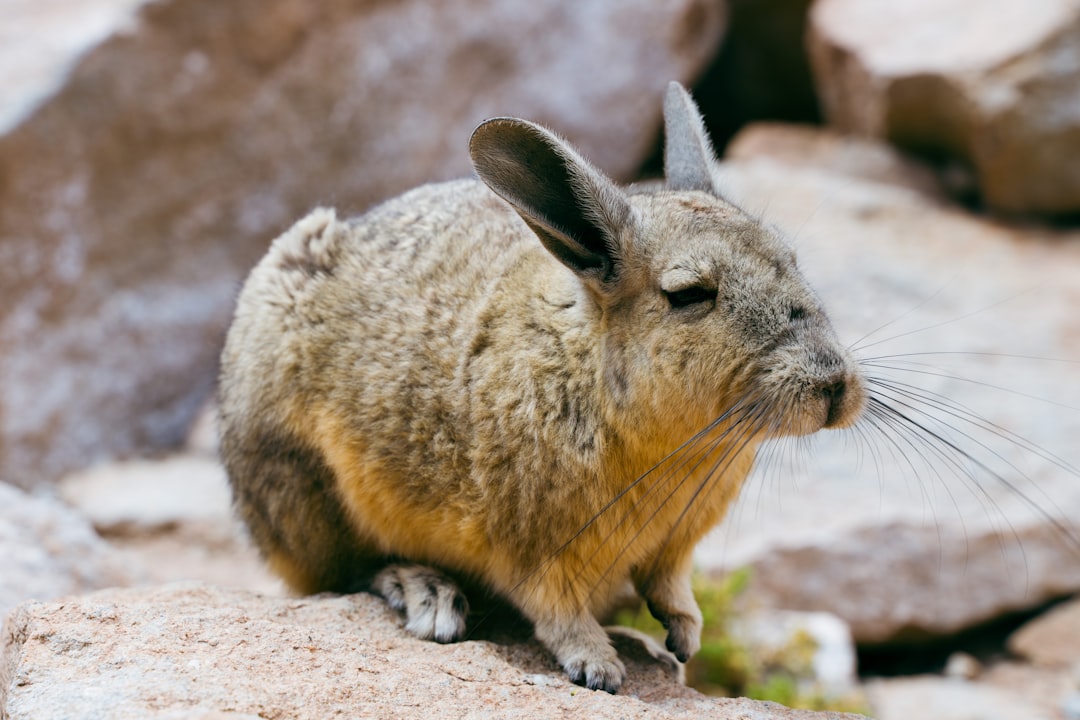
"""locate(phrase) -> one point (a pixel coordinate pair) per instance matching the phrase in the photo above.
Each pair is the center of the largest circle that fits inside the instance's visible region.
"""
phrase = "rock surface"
(1052, 639)
(174, 139)
(952, 699)
(194, 651)
(172, 517)
(994, 83)
(887, 529)
(49, 551)
(832, 151)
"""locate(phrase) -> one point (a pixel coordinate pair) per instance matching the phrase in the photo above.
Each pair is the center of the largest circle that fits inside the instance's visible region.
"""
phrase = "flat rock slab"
(194, 651)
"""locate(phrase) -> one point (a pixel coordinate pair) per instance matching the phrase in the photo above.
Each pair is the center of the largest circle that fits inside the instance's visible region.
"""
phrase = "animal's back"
(345, 358)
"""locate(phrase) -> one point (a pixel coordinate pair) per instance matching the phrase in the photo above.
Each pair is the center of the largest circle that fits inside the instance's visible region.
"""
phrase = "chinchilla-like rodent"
(540, 382)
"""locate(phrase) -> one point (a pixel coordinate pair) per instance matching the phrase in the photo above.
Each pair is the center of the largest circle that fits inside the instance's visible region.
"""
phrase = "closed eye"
(693, 295)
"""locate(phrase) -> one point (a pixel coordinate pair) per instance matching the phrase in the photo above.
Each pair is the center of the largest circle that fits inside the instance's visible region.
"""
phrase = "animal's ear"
(575, 210)
(688, 153)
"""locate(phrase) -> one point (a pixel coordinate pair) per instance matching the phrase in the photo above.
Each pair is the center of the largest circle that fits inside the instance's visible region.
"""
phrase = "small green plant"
(728, 666)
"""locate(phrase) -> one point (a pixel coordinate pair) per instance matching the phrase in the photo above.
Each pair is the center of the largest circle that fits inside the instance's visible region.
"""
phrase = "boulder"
(830, 150)
(194, 651)
(892, 529)
(50, 551)
(160, 146)
(995, 84)
(1051, 639)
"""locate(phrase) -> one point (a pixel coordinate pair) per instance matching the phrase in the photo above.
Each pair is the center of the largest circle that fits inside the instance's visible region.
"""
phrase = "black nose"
(834, 392)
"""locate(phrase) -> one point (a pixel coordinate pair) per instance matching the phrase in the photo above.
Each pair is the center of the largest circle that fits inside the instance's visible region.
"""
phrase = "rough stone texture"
(1052, 639)
(996, 83)
(194, 651)
(827, 149)
(889, 534)
(48, 551)
(182, 137)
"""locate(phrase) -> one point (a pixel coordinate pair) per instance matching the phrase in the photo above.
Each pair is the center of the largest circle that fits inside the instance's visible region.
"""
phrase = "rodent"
(539, 381)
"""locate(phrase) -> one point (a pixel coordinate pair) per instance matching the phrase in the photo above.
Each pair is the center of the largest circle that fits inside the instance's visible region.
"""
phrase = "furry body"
(494, 387)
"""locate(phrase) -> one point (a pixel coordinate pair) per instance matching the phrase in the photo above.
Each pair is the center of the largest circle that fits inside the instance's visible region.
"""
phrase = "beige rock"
(996, 83)
(49, 551)
(167, 142)
(826, 149)
(195, 651)
(881, 528)
(953, 699)
(1052, 639)
(172, 517)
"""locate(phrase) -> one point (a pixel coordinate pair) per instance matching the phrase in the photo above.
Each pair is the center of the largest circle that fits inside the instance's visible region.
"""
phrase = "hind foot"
(434, 607)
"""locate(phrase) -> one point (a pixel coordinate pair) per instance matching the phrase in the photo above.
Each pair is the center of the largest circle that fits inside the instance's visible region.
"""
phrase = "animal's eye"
(798, 312)
(691, 296)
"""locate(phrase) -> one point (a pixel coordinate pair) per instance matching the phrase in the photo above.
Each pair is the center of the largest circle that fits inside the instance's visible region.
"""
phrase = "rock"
(1070, 707)
(192, 651)
(50, 551)
(1051, 639)
(962, 666)
(147, 495)
(952, 699)
(834, 152)
(203, 436)
(167, 142)
(1047, 689)
(996, 84)
(174, 518)
(888, 530)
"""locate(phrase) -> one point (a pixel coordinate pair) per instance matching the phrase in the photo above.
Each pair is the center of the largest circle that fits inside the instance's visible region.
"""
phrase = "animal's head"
(702, 306)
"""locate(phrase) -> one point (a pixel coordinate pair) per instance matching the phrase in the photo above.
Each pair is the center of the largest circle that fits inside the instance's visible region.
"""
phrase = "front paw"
(684, 636)
(684, 631)
(434, 607)
(597, 674)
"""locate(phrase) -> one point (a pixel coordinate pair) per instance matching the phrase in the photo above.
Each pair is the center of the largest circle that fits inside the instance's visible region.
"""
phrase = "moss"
(728, 666)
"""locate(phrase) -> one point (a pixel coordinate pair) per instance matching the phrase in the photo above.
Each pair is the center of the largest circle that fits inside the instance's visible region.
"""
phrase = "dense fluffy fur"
(497, 385)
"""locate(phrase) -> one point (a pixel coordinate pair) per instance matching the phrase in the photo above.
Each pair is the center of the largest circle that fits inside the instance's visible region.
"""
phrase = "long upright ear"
(688, 153)
(575, 210)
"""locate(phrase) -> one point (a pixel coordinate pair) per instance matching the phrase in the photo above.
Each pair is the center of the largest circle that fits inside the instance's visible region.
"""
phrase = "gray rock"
(195, 651)
(49, 551)
(993, 83)
(882, 529)
(164, 144)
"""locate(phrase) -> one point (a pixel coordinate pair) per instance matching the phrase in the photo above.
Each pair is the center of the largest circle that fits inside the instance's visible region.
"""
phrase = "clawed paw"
(604, 675)
(434, 607)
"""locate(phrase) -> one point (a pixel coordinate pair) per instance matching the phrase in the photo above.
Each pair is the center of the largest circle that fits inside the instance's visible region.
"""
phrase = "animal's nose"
(834, 393)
